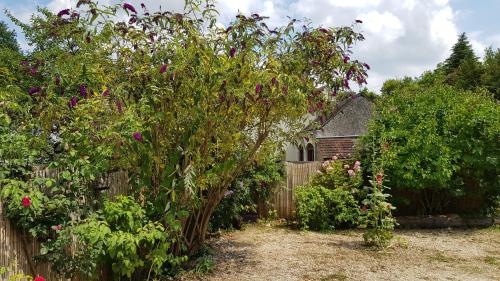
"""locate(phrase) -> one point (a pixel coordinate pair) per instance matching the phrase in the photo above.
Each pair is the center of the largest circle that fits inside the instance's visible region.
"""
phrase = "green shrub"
(320, 208)
(438, 143)
(246, 192)
(119, 237)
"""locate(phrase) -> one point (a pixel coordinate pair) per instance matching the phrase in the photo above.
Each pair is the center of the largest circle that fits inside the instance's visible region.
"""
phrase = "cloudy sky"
(403, 37)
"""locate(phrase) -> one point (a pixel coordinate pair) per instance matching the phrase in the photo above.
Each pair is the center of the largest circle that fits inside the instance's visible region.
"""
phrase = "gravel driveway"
(265, 252)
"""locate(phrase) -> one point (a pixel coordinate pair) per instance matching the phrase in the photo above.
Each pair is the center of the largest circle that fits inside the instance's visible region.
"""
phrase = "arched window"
(301, 153)
(310, 152)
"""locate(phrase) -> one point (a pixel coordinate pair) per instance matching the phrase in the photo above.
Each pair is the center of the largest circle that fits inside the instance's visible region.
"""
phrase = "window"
(301, 153)
(310, 152)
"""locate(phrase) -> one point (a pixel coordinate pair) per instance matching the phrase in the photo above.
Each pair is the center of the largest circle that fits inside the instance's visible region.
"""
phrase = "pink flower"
(351, 173)
(326, 163)
(138, 136)
(39, 278)
(105, 93)
(335, 158)
(389, 206)
(26, 201)
(379, 178)
(357, 163)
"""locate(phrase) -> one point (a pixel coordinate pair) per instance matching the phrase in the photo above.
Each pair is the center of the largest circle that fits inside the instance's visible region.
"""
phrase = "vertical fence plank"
(297, 174)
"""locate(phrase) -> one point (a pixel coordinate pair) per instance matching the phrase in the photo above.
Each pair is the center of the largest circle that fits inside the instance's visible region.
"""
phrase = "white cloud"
(354, 3)
(386, 25)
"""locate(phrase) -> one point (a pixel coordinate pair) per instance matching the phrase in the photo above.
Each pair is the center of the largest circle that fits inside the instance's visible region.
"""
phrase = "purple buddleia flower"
(129, 7)
(24, 62)
(33, 90)
(63, 12)
(119, 106)
(232, 52)
(346, 84)
(75, 15)
(258, 88)
(228, 193)
(83, 91)
(346, 59)
(274, 82)
(324, 30)
(163, 68)
(72, 102)
(105, 93)
(137, 136)
(33, 71)
(349, 73)
(143, 6)
(366, 65)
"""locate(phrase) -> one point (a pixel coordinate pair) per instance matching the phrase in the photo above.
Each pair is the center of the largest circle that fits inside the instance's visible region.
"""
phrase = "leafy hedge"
(437, 143)
(320, 208)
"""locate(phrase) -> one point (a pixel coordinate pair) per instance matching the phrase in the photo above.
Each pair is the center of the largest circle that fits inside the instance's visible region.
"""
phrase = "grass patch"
(336, 276)
(440, 257)
(492, 260)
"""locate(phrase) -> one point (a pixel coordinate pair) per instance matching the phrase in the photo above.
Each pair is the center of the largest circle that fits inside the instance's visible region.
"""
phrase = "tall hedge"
(438, 146)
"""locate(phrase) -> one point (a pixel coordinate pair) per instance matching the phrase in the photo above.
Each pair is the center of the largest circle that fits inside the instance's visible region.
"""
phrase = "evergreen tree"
(7, 38)
(459, 52)
(462, 68)
(491, 76)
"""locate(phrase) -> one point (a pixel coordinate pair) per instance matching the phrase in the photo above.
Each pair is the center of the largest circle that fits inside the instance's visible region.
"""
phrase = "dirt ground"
(265, 252)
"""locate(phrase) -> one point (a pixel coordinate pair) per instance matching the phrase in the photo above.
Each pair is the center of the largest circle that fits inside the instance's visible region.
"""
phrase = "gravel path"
(264, 252)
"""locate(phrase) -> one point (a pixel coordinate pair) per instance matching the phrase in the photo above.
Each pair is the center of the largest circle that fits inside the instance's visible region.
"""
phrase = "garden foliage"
(439, 142)
(181, 104)
(331, 199)
(251, 190)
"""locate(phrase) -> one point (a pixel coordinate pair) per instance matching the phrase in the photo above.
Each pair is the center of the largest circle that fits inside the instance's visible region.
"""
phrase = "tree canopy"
(8, 38)
(180, 104)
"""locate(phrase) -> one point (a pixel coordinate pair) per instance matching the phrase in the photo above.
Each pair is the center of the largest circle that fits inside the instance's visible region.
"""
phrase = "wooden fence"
(297, 174)
(17, 249)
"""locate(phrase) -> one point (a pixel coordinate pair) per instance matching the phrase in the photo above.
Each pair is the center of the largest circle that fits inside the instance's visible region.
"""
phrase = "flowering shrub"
(331, 199)
(180, 104)
(320, 208)
(376, 214)
(337, 173)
